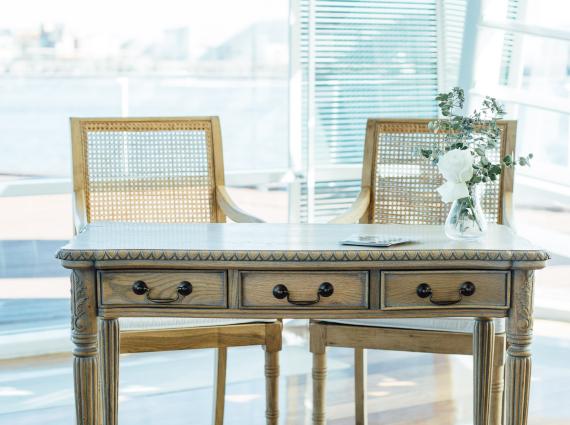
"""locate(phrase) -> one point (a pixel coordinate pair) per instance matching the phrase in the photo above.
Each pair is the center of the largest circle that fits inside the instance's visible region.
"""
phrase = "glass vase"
(466, 220)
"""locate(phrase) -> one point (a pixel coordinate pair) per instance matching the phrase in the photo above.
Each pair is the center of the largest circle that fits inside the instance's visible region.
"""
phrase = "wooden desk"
(234, 269)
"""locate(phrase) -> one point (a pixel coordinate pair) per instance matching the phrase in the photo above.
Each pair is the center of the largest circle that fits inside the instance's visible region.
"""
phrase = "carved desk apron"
(280, 271)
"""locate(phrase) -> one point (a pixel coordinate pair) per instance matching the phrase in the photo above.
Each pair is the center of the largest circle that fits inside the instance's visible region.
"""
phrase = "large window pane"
(229, 60)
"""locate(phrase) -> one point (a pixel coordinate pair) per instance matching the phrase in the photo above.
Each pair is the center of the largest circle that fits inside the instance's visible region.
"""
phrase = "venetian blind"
(358, 59)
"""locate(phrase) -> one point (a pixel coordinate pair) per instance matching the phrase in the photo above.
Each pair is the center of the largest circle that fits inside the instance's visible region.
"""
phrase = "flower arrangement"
(463, 159)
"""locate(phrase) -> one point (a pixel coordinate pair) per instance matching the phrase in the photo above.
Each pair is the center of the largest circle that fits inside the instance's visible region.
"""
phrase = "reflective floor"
(175, 388)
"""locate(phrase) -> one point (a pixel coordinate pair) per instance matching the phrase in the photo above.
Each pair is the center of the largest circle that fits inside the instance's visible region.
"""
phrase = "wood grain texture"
(398, 289)
(412, 340)
(84, 337)
(109, 370)
(323, 334)
(497, 393)
(519, 337)
(360, 386)
(350, 289)
(319, 388)
(193, 338)
(293, 313)
(271, 387)
(318, 348)
(291, 249)
(220, 371)
(208, 288)
(295, 243)
(483, 348)
(218, 167)
(374, 289)
(272, 348)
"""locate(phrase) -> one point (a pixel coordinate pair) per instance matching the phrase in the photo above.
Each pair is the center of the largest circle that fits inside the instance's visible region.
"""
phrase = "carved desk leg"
(519, 336)
(109, 369)
(84, 337)
(483, 349)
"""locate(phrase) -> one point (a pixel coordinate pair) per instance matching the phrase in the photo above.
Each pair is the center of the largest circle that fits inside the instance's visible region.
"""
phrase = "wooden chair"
(165, 170)
(398, 187)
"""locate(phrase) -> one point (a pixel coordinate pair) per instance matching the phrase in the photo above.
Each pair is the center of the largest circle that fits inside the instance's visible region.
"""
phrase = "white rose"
(456, 166)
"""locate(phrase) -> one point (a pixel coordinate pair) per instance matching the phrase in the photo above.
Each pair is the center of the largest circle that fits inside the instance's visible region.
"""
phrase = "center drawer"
(314, 290)
(167, 288)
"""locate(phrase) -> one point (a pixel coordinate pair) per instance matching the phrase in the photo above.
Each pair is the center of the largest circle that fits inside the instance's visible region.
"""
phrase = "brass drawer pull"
(466, 290)
(141, 288)
(326, 289)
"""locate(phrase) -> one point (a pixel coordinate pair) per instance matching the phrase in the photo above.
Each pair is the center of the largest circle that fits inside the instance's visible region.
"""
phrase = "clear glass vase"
(466, 220)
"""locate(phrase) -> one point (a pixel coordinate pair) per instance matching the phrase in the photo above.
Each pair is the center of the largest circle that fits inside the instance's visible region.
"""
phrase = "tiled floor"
(175, 388)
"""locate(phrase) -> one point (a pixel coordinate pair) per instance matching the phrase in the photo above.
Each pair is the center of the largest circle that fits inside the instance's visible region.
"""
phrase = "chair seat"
(149, 323)
(445, 324)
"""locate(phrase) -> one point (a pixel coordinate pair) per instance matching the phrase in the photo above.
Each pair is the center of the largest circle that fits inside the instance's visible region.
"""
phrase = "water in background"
(34, 116)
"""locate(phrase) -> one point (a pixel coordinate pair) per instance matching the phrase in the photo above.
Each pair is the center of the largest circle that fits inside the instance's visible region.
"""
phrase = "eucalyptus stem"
(472, 206)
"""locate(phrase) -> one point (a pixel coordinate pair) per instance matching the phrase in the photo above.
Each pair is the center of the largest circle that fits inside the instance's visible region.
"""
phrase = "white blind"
(358, 59)
(453, 21)
(514, 9)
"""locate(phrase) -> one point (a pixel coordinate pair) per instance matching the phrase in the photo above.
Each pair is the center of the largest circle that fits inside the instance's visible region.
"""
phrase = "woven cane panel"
(405, 183)
(149, 171)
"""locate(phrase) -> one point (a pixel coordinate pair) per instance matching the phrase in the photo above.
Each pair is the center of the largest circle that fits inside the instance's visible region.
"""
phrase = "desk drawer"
(440, 289)
(180, 288)
(304, 290)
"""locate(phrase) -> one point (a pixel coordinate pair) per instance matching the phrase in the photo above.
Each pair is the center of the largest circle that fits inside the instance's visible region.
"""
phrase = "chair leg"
(271, 387)
(220, 384)
(497, 394)
(483, 348)
(109, 378)
(272, 347)
(317, 342)
(360, 384)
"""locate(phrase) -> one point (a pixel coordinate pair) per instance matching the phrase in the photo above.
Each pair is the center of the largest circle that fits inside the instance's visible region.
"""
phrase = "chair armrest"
(508, 213)
(357, 210)
(231, 210)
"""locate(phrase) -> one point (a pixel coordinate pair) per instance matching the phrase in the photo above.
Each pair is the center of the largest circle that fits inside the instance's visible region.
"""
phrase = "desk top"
(287, 243)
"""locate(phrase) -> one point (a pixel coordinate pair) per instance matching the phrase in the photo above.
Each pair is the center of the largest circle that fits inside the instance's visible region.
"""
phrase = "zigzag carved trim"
(301, 256)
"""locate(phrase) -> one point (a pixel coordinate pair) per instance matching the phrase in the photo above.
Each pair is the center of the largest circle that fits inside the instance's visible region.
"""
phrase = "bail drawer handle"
(141, 288)
(326, 289)
(466, 290)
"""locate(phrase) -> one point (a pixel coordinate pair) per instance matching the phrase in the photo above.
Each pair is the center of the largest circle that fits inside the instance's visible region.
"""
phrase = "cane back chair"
(398, 187)
(163, 170)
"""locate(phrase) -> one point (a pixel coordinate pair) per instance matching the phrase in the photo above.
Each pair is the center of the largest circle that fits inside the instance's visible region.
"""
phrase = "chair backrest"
(162, 170)
(403, 185)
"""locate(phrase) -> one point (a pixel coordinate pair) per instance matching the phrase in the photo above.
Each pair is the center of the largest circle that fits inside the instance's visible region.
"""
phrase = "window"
(523, 58)
(354, 60)
(61, 61)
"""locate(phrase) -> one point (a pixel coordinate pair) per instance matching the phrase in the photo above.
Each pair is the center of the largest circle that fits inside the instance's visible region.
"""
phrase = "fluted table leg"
(519, 337)
(109, 370)
(84, 337)
(483, 348)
